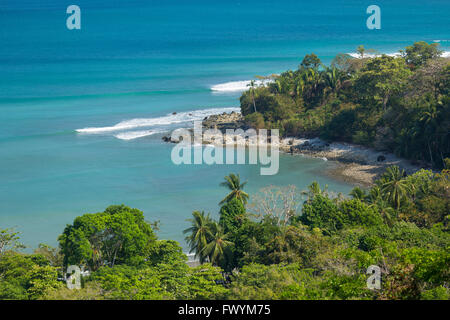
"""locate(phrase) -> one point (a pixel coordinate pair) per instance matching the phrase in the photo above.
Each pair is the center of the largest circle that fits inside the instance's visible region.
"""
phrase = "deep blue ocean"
(133, 64)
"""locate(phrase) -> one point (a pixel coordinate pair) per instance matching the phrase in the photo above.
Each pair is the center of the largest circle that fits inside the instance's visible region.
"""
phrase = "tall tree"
(232, 215)
(9, 240)
(119, 235)
(252, 86)
(361, 50)
(199, 234)
(358, 193)
(216, 249)
(310, 61)
(420, 52)
(394, 186)
(381, 78)
(333, 79)
(233, 183)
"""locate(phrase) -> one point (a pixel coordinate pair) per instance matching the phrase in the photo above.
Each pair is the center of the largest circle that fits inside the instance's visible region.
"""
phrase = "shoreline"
(355, 164)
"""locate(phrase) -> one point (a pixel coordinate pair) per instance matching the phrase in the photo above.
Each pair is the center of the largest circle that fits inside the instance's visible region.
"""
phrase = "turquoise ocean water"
(131, 65)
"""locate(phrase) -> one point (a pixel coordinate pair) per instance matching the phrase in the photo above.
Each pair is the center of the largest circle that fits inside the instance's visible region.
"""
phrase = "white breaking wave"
(444, 54)
(158, 121)
(373, 55)
(238, 86)
(130, 135)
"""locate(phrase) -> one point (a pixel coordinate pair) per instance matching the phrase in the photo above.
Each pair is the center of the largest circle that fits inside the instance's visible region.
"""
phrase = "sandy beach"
(354, 163)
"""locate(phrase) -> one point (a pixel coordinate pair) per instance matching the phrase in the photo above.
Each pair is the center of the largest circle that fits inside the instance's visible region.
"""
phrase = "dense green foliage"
(320, 251)
(233, 183)
(397, 104)
(276, 248)
(117, 235)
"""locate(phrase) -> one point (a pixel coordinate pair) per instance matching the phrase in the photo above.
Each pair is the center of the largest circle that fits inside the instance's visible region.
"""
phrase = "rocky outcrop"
(358, 164)
(233, 120)
(169, 139)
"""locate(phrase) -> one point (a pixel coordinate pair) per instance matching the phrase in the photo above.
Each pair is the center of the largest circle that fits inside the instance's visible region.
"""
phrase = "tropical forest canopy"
(284, 243)
(399, 104)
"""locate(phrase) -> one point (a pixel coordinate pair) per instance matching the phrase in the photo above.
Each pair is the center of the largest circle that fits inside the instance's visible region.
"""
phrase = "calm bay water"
(144, 60)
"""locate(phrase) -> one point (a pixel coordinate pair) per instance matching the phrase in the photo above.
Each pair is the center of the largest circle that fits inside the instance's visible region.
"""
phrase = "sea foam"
(444, 54)
(154, 123)
(237, 86)
(131, 135)
(373, 55)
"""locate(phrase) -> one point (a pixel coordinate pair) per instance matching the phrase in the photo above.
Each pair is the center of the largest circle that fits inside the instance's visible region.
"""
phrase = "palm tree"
(333, 79)
(375, 200)
(394, 187)
(199, 234)
(233, 182)
(361, 50)
(299, 85)
(216, 248)
(358, 193)
(429, 119)
(374, 194)
(252, 86)
(284, 84)
(312, 82)
(388, 213)
(315, 190)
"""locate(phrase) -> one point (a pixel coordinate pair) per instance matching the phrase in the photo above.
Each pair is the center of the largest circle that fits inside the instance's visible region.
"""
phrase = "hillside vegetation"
(284, 243)
(397, 104)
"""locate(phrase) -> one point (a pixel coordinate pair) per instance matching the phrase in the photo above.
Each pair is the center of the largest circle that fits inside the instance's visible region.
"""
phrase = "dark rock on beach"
(169, 139)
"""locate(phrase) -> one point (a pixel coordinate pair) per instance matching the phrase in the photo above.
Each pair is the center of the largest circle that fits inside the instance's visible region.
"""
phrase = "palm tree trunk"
(431, 154)
(385, 101)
